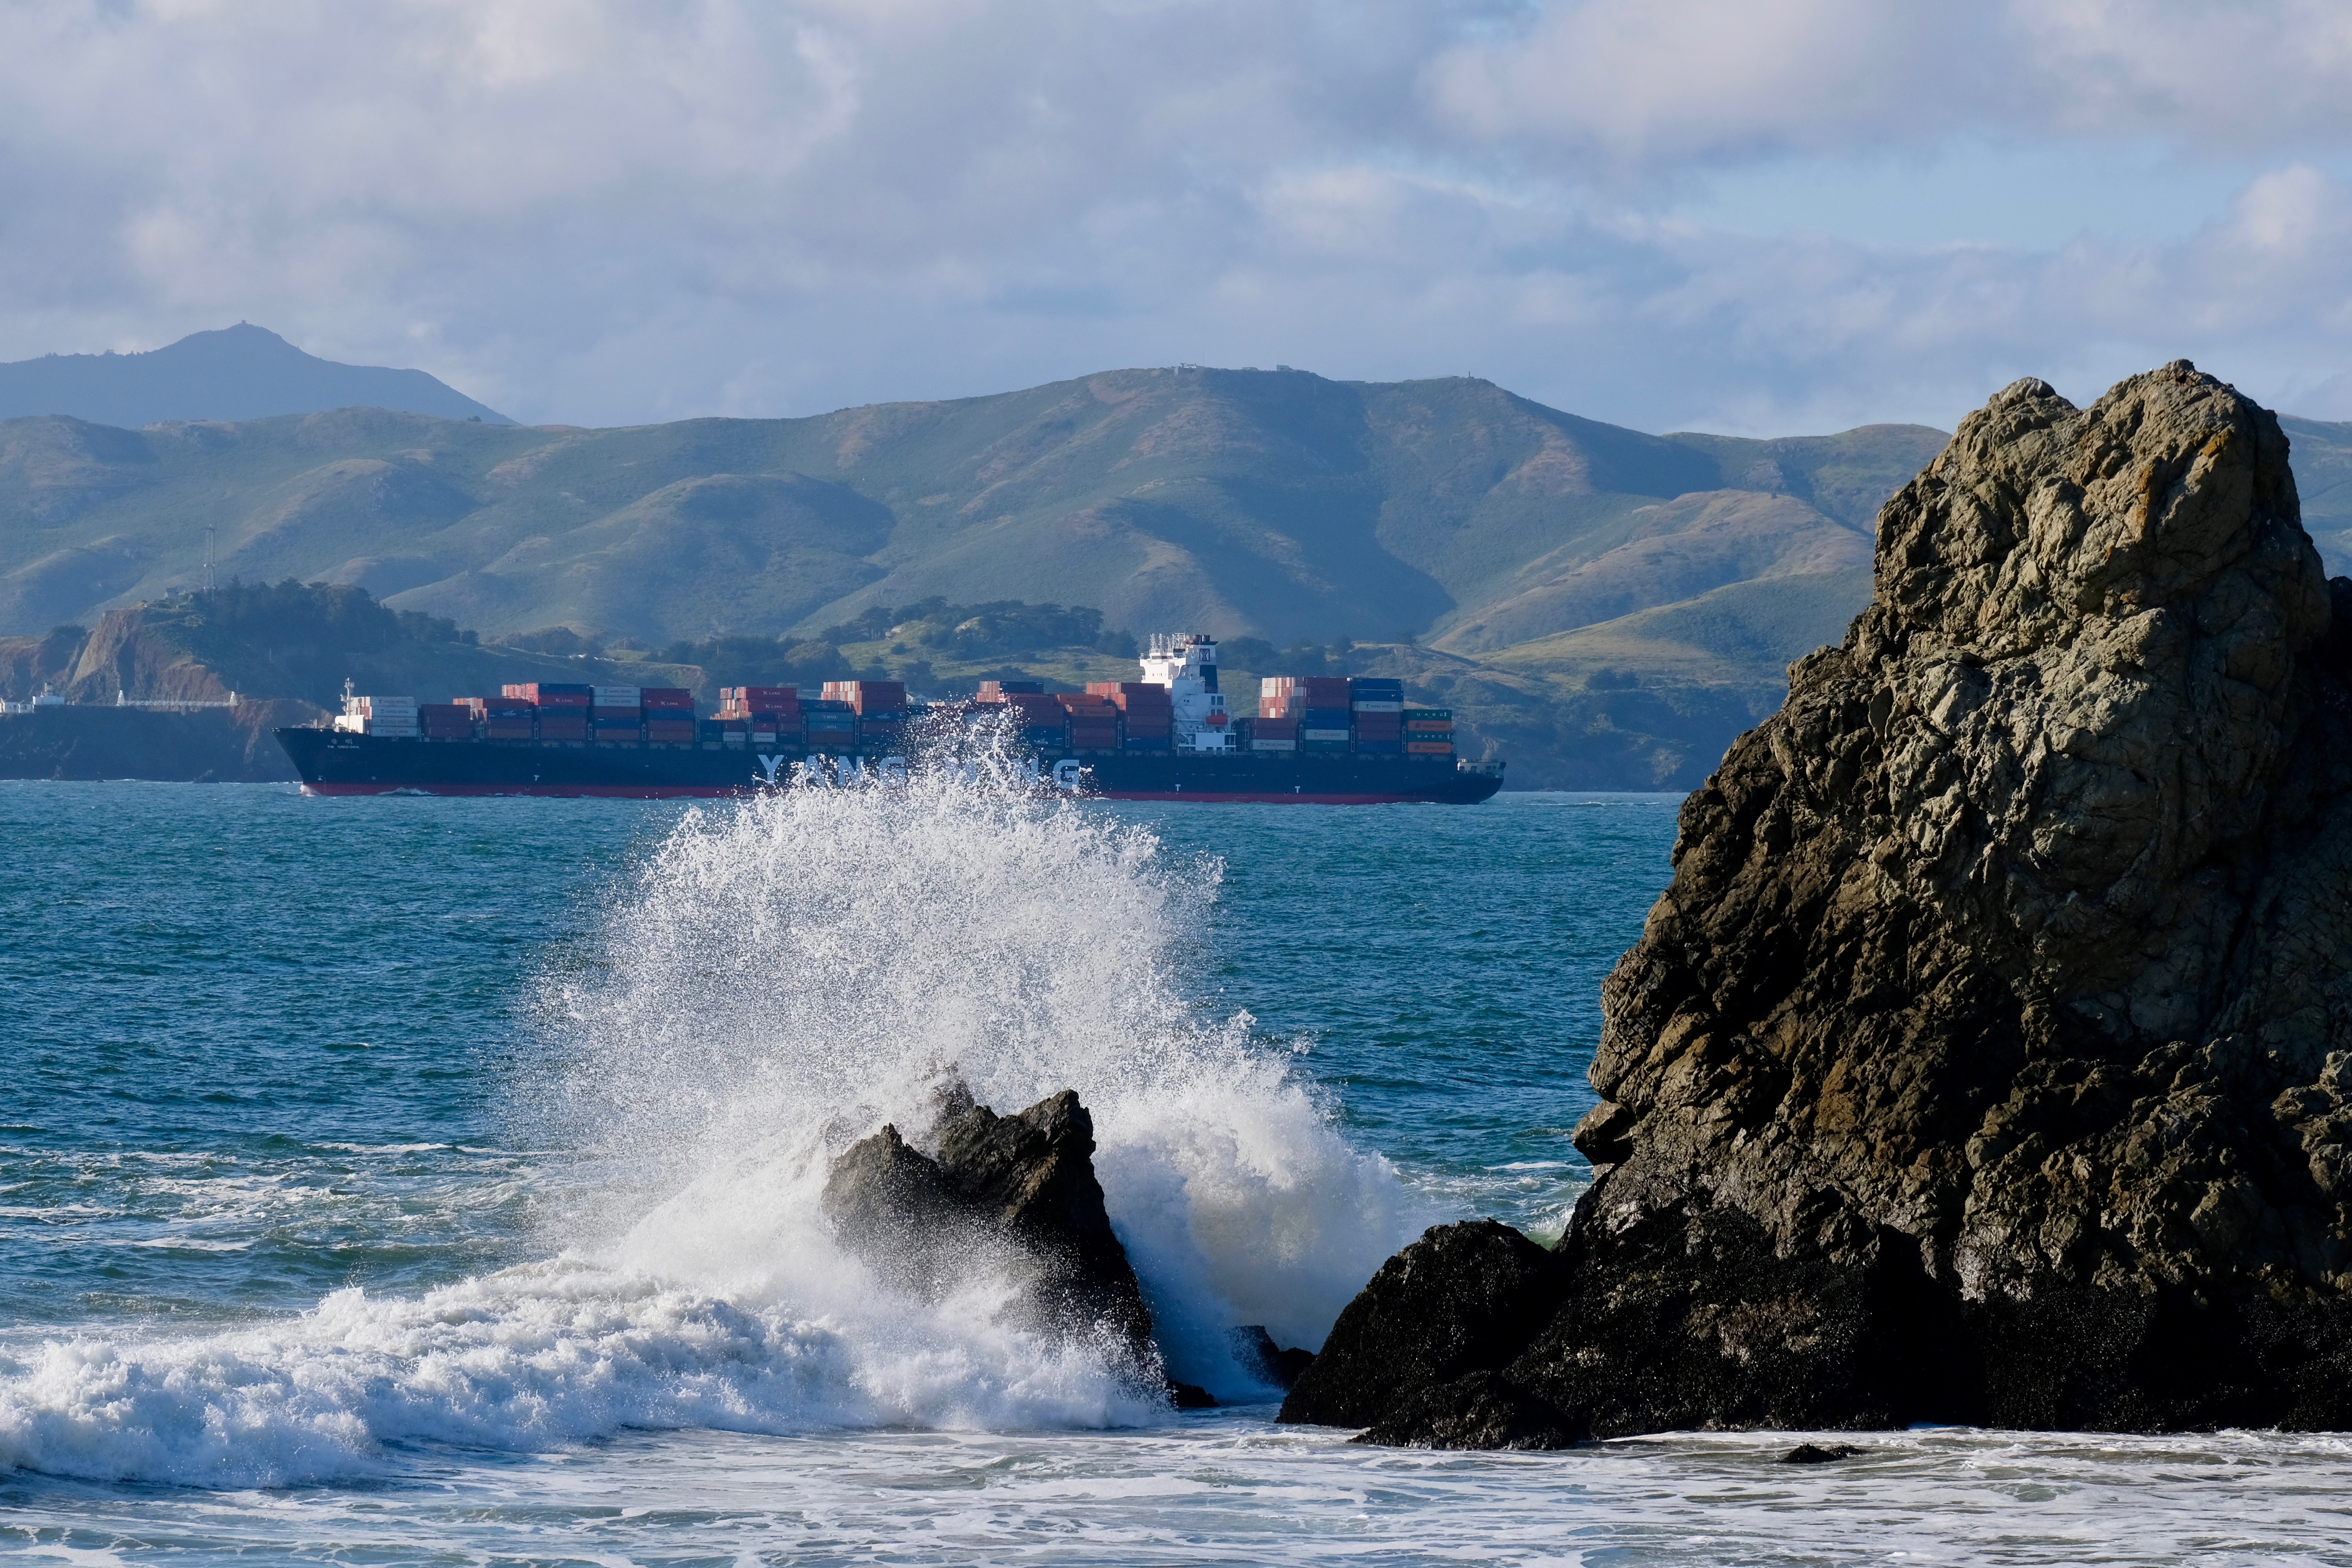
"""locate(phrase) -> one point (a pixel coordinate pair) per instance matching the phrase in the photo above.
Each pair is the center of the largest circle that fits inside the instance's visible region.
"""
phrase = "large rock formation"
(1016, 1194)
(1990, 1057)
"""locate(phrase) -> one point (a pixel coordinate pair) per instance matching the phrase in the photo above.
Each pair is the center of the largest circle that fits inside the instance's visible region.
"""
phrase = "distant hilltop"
(243, 372)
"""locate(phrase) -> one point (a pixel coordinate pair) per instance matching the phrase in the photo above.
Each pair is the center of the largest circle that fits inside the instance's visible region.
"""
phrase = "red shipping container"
(761, 699)
(868, 696)
(666, 697)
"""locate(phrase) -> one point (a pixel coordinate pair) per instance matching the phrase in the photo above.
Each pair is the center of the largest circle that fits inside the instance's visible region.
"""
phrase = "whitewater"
(436, 1181)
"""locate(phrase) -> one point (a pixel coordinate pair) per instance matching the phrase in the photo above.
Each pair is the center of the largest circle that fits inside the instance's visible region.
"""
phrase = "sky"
(1753, 217)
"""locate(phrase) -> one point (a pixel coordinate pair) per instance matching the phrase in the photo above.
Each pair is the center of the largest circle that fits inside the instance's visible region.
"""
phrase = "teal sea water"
(432, 1181)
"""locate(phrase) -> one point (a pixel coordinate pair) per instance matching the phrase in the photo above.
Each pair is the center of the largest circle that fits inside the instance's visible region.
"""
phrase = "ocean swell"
(770, 982)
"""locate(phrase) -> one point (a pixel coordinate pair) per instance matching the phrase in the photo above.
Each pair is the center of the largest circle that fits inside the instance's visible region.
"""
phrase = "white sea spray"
(770, 982)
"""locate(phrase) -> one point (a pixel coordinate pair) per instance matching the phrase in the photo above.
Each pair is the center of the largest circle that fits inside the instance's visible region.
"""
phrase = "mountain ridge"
(236, 372)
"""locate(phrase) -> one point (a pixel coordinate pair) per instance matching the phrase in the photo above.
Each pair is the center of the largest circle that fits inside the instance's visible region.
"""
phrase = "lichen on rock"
(1990, 1057)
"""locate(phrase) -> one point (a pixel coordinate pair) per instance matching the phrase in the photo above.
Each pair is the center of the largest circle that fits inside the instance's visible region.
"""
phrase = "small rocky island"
(1013, 1195)
(1990, 1057)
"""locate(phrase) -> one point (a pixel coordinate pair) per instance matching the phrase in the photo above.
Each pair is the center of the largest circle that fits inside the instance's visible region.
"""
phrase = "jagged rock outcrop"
(1990, 1057)
(1016, 1193)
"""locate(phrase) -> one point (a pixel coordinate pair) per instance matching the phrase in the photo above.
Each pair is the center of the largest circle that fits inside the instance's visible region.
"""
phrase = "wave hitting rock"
(1017, 1193)
(1990, 1057)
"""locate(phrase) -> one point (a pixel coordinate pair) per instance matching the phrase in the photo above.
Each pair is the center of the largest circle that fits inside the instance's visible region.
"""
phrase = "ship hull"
(337, 763)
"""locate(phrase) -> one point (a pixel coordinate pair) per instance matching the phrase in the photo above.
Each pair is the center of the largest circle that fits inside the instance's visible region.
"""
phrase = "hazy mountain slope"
(238, 373)
(1677, 550)
(2321, 454)
(1273, 503)
(1847, 476)
(1741, 633)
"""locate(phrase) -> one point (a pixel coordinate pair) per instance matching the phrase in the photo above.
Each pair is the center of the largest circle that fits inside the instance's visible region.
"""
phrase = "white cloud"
(606, 210)
(1651, 81)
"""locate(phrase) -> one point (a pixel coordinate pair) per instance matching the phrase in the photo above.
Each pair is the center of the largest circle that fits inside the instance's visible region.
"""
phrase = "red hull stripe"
(602, 792)
(692, 792)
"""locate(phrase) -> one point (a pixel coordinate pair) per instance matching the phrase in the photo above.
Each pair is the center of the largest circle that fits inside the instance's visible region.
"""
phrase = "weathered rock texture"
(1990, 1057)
(1011, 1192)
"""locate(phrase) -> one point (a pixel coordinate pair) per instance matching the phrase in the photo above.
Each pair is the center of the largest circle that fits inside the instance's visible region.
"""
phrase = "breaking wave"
(770, 982)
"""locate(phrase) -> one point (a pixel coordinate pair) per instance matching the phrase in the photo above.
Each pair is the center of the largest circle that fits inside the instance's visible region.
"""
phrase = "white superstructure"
(1186, 663)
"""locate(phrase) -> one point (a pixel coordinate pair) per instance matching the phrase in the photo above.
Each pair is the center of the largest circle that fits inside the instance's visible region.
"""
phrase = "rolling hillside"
(1272, 504)
(1615, 606)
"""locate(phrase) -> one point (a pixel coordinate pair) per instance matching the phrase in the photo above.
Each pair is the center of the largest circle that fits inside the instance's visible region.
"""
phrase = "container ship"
(1315, 739)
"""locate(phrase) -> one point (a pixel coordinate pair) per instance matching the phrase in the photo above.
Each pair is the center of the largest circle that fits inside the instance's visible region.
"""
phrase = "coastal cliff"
(1990, 1057)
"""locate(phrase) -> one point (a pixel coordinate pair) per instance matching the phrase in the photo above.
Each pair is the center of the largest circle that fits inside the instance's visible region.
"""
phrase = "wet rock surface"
(1990, 1057)
(1013, 1193)
(1464, 1299)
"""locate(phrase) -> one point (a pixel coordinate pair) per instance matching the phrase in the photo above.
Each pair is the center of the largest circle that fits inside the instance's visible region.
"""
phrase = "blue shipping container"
(1146, 743)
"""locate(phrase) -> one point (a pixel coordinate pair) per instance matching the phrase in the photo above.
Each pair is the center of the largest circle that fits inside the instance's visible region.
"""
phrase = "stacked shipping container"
(1377, 710)
(880, 707)
(505, 717)
(1429, 733)
(669, 715)
(1146, 712)
(616, 715)
(1315, 704)
(1366, 715)
(830, 724)
(379, 715)
(1093, 720)
(444, 721)
(562, 708)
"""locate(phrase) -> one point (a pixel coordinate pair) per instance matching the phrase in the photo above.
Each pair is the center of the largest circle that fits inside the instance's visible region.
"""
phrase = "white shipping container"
(617, 696)
(387, 705)
(1322, 734)
(1379, 707)
(1274, 745)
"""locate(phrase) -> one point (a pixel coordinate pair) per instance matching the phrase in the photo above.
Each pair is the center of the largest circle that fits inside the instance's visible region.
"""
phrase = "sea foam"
(769, 982)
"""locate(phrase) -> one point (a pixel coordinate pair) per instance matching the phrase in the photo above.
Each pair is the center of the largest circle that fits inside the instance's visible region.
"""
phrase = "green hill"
(1273, 504)
(1601, 605)
(290, 640)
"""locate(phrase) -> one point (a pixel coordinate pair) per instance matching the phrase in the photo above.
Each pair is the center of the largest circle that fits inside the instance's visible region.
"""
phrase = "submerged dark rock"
(1990, 1057)
(1014, 1192)
(1255, 1352)
(1817, 1454)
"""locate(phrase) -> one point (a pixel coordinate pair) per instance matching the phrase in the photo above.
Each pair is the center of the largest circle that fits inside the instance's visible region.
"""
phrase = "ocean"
(411, 1181)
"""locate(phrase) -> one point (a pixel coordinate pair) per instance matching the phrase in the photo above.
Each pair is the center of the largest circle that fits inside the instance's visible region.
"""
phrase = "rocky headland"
(1989, 1058)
